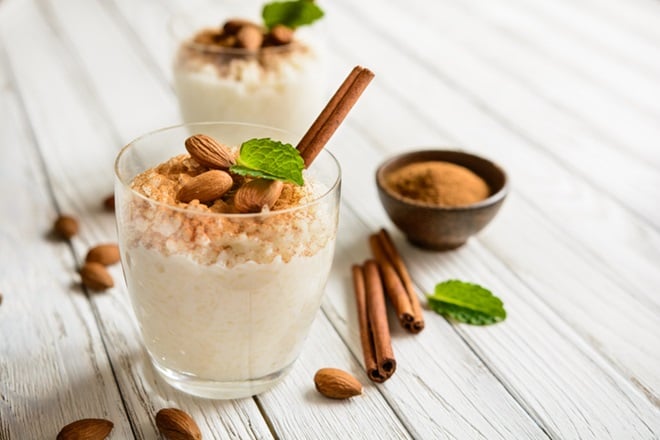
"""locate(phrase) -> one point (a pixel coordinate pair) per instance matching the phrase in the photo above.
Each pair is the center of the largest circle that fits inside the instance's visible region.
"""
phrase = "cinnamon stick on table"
(372, 316)
(334, 113)
(394, 258)
(394, 287)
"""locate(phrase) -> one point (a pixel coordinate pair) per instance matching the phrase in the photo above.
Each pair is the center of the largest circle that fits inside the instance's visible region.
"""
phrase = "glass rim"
(332, 188)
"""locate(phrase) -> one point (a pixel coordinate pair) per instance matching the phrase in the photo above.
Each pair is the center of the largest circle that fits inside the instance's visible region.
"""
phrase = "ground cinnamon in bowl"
(437, 183)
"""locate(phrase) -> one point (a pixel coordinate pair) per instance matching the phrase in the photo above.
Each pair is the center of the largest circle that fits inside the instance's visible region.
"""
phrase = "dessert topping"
(257, 194)
(209, 152)
(206, 187)
(437, 183)
(269, 159)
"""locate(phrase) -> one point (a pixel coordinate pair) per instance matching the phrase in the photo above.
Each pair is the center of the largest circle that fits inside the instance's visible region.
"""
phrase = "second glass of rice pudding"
(224, 300)
(230, 66)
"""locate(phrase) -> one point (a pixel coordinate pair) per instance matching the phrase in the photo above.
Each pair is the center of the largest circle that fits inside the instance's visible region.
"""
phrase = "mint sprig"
(292, 14)
(269, 159)
(466, 302)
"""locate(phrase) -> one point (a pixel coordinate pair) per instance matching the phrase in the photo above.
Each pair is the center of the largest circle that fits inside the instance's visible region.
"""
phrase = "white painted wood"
(79, 148)
(505, 102)
(524, 352)
(440, 116)
(53, 365)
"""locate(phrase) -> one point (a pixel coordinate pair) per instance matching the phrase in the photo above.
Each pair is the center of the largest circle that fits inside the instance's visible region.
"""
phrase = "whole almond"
(66, 226)
(175, 424)
(109, 203)
(233, 25)
(249, 37)
(336, 384)
(96, 277)
(209, 152)
(86, 429)
(206, 187)
(254, 195)
(281, 34)
(106, 254)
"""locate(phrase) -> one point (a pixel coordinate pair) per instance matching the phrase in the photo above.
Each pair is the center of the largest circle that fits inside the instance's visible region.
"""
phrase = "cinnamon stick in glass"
(334, 113)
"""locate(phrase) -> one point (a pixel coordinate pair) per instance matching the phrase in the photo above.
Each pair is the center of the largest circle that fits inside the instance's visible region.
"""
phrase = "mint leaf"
(292, 14)
(269, 159)
(467, 302)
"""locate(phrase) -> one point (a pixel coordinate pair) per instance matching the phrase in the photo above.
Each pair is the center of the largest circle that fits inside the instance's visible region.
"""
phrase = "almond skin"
(249, 37)
(209, 152)
(206, 187)
(175, 424)
(96, 277)
(336, 384)
(109, 203)
(281, 34)
(86, 429)
(257, 193)
(66, 226)
(106, 254)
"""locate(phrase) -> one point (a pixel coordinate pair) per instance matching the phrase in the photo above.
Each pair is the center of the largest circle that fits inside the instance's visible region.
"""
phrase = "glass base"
(213, 389)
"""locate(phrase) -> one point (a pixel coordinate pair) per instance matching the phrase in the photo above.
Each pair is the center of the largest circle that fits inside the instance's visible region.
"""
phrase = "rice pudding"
(224, 300)
(275, 77)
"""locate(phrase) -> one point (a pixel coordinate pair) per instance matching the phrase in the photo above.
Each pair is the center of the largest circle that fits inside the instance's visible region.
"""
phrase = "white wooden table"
(564, 94)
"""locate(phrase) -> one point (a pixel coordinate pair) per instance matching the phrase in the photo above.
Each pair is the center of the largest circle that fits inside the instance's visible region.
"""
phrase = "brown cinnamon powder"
(437, 183)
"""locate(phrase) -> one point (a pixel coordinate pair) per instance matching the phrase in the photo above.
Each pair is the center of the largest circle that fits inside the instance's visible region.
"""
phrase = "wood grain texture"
(53, 365)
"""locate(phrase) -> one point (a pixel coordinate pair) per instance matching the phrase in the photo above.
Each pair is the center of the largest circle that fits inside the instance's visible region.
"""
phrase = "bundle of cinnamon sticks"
(386, 272)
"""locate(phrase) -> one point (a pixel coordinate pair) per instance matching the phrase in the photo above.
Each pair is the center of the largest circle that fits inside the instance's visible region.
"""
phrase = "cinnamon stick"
(393, 285)
(377, 315)
(366, 337)
(400, 267)
(334, 113)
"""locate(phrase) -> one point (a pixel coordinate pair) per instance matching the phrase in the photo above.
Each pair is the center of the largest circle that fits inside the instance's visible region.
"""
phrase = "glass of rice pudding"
(231, 65)
(224, 292)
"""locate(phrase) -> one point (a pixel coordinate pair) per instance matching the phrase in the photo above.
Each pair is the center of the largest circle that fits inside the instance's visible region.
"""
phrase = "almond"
(86, 429)
(209, 152)
(106, 254)
(281, 34)
(175, 424)
(66, 226)
(336, 384)
(257, 194)
(233, 25)
(109, 203)
(249, 37)
(96, 277)
(206, 187)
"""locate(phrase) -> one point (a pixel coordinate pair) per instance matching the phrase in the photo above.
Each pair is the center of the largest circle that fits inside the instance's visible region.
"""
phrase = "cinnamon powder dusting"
(437, 183)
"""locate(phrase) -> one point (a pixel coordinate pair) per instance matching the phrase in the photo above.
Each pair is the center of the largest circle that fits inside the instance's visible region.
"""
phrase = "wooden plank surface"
(564, 95)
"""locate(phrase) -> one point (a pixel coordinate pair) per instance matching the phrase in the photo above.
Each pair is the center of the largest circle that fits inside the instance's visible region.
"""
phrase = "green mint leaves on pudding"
(292, 14)
(269, 159)
(466, 302)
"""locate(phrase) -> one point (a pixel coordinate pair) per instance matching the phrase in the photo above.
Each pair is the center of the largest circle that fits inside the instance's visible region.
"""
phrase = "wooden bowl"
(436, 227)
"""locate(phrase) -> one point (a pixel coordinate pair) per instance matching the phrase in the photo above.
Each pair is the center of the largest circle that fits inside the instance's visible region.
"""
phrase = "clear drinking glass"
(279, 86)
(224, 301)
